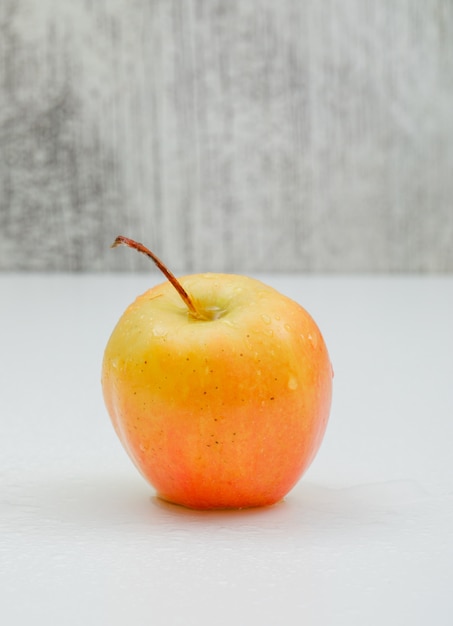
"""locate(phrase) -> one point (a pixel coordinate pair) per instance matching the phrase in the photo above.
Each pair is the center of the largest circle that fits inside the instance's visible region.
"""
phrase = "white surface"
(365, 537)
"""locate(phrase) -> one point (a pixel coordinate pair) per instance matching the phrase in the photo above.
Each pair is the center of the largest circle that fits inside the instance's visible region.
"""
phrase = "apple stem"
(120, 240)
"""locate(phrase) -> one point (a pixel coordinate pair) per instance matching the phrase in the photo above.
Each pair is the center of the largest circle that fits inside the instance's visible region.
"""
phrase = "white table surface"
(365, 538)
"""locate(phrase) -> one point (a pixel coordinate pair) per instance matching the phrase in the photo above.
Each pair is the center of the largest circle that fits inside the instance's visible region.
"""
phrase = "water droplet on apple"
(214, 312)
(229, 322)
(292, 383)
(266, 319)
(288, 327)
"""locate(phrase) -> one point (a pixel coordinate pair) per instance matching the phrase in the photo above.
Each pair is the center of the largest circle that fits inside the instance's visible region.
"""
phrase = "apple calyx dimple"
(197, 313)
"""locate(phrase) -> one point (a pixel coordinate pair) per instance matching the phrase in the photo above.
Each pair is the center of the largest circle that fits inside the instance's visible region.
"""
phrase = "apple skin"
(221, 413)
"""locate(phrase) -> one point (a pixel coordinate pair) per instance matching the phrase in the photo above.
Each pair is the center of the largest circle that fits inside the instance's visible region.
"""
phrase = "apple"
(219, 388)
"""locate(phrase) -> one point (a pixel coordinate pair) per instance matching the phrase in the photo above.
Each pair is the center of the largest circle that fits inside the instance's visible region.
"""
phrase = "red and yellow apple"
(219, 387)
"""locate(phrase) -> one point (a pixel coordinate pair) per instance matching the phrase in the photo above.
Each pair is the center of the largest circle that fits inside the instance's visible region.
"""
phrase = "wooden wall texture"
(233, 135)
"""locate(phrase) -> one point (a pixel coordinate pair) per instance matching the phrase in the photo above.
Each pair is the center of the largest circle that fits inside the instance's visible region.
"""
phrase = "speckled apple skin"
(225, 413)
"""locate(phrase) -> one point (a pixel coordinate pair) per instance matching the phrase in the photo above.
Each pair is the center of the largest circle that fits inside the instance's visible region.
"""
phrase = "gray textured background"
(227, 135)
